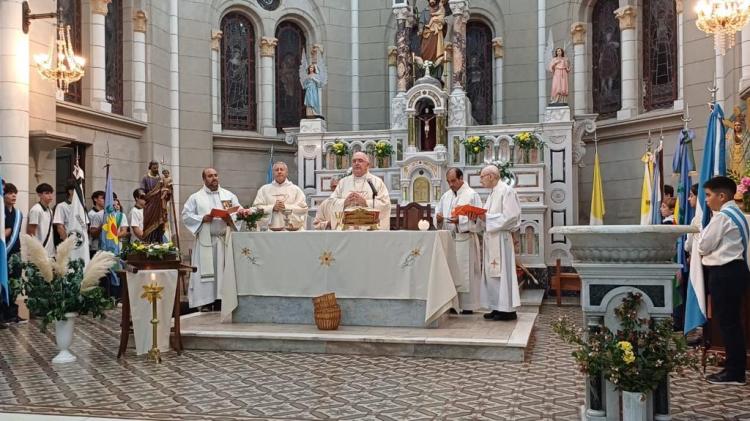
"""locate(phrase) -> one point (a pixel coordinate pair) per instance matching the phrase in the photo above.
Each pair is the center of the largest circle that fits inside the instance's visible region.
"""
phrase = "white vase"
(64, 337)
(634, 406)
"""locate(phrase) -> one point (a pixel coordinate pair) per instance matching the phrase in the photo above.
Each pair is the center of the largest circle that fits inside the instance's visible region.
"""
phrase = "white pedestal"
(312, 125)
(557, 114)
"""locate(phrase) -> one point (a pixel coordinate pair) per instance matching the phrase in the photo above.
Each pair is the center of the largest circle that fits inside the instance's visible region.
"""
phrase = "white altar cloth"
(409, 265)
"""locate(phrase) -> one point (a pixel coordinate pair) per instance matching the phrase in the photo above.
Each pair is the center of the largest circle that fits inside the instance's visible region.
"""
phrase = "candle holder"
(152, 292)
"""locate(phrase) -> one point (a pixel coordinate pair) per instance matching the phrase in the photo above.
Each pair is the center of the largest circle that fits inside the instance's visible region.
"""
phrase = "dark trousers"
(727, 285)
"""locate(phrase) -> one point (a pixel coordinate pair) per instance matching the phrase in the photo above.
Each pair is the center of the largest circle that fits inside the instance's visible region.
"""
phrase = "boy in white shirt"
(723, 247)
(40, 218)
(136, 215)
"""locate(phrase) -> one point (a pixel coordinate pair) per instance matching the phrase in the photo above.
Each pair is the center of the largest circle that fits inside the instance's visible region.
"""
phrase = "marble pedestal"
(312, 125)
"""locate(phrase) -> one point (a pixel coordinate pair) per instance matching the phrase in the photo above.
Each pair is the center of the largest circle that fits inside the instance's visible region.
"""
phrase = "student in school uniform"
(723, 247)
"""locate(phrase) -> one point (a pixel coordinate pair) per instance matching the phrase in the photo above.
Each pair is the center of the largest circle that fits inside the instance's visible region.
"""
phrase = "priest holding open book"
(210, 214)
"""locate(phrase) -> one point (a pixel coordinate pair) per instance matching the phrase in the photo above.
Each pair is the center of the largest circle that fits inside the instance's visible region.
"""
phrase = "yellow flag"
(648, 171)
(597, 195)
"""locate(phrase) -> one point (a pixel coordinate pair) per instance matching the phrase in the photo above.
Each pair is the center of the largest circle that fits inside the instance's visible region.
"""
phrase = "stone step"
(531, 300)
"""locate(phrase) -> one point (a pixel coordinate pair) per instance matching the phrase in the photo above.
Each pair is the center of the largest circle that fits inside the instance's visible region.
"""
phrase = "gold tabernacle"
(361, 217)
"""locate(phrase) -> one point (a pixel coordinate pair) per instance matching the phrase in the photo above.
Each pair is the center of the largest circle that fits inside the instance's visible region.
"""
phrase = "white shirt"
(42, 218)
(720, 242)
(96, 219)
(136, 220)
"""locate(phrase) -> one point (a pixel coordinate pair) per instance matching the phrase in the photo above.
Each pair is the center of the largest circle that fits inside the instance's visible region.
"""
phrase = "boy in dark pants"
(723, 247)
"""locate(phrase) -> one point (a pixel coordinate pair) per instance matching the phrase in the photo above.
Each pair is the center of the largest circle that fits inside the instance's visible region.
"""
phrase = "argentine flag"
(3, 252)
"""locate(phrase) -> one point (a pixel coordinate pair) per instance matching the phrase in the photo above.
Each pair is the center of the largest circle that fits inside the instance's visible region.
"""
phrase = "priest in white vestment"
(211, 235)
(499, 291)
(325, 218)
(282, 196)
(467, 241)
(362, 189)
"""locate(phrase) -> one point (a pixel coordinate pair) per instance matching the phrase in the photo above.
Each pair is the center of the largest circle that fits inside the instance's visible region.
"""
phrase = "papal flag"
(714, 164)
(648, 170)
(80, 220)
(597, 194)
(4, 298)
(657, 184)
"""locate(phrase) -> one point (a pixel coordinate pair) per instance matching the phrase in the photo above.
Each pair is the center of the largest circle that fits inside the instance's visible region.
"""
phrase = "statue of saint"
(155, 212)
(736, 142)
(430, 33)
(559, 66)
(312, 77)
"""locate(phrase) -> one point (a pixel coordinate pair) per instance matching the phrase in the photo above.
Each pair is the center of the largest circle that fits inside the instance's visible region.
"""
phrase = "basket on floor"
(328, 318)
(324, 301)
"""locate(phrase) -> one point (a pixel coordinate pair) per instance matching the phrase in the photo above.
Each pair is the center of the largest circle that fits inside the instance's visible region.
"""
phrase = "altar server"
(499, 291)
(282, 197)
(325, 218)
(362, 189)
(211, 235)
(467, 240)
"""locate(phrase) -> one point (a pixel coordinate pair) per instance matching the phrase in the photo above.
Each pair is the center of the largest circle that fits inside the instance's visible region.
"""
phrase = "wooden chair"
(567, 281)
(408, 216)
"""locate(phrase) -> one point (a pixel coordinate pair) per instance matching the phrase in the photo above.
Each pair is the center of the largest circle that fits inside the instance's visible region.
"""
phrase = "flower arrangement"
(154, 251)
(475, 144)
(743, 189)
(383, 149)
(251, 220)
(340, 148)
(56, 287)
(636, 358)
(528, 141)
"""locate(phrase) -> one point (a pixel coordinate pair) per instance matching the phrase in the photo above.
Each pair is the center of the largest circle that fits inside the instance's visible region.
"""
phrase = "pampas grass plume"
(33, 252)
(63, 256)
(97, 267)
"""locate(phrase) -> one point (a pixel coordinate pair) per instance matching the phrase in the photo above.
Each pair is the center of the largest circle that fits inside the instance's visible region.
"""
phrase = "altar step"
(531, 300)
(469, 337)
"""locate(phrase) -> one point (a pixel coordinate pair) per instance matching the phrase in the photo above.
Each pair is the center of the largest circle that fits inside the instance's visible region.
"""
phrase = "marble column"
(498, 50)
(139, 65)
(98, 61)
(267, 52)
(403, 53)
(679, 103)
(448, 67)
(215, 76)
(14, 100)
(541, 24)
(745, 79)
(627, 17)
(174, 97)
(392, 76)
(355, 62)
(460, 10)
(578, 33)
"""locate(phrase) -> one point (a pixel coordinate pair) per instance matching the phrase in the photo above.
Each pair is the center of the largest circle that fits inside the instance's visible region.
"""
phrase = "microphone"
(374, 192)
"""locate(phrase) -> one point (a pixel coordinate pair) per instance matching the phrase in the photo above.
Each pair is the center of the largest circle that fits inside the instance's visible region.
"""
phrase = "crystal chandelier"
(722, 18)
(62, 66)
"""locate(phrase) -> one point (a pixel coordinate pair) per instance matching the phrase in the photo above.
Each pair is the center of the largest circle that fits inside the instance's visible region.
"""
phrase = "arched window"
(479, 71)
(113, 55)
(659, 54)
(606, 85)
(71, 15)
(238, 103)
(290, 106)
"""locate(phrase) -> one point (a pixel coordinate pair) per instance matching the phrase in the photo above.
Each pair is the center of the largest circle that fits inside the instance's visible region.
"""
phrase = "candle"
(153, 276)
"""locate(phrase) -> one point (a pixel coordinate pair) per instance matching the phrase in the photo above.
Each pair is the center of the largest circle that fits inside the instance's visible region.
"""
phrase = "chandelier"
(62, 65)
(722, 18)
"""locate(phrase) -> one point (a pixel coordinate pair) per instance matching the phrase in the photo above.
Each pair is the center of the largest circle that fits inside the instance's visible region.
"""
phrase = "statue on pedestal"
(737, 143)
(158, 196)
(430, 42)
(312, 77)
(559, 66)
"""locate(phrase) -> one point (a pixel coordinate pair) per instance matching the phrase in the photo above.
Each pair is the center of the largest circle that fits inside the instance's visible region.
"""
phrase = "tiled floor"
(213, 385)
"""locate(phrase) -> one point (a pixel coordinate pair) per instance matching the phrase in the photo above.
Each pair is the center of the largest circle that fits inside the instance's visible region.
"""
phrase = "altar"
(382, 278)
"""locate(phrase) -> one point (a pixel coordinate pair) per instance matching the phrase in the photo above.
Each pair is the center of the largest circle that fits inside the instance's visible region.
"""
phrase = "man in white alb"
(499, 292)
(324, 215)
(467, 241)
(210, 236)
(40, 218)
(362, 189)
(281, 197)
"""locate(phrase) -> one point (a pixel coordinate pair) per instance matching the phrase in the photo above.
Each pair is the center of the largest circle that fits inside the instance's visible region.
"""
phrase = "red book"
(465, 210)
(223, 213)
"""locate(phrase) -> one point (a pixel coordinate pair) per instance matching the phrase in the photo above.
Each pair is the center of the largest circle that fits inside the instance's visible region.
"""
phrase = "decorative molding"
(392, 54)
(498, 47)
(99, 7)
(403, 13)
(139, 21)
(216, 39)
(268, 46)
(46, 141)
(578, 32)
(86, 117)
(679, 6)
(317, 50)
(626, 15)
(224, 141)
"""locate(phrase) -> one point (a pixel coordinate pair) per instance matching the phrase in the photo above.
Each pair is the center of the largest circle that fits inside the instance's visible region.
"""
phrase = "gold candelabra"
(152, 292)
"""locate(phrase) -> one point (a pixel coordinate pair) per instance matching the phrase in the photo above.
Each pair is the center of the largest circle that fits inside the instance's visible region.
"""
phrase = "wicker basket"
(324, 301)
(329, 318)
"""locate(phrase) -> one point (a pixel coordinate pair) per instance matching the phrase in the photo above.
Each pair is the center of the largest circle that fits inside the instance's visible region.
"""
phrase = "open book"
(223, 213)
(465, 210)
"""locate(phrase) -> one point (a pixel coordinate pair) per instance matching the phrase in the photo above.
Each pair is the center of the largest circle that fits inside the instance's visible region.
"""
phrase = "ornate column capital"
(679, 6)
(578, 32)
(392, 55)
(498, 47)
(268, 46)
(139, 21)
(459, 7)
(216, 39)
(403, 13)
(99, 7)
(626, 15)
(315, 53)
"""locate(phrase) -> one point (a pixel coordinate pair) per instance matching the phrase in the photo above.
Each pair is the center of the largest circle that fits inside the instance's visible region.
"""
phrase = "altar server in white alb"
(280, 196)
(467, 241)
(362, 189)
(210, 236)
(499, 291)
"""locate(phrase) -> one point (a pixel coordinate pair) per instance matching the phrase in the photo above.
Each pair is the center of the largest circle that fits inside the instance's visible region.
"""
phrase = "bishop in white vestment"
(211, 236)
(362, 189)
(499, 292)
(325, 218)
(279, 196)
(467, 241)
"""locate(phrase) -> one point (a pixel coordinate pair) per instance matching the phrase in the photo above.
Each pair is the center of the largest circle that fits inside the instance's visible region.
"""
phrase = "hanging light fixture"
(722, 18)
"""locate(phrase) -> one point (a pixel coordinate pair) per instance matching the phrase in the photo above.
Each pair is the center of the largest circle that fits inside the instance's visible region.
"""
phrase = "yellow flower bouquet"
(383, 149)
(528, 141)
(475, 144)
(340, 148)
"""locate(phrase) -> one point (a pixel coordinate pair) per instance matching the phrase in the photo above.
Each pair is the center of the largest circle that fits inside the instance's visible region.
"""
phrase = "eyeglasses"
(142, 197)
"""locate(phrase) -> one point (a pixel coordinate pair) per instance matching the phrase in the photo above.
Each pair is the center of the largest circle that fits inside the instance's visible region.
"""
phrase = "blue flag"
(683, 164)
(3, 252)
(269, 175)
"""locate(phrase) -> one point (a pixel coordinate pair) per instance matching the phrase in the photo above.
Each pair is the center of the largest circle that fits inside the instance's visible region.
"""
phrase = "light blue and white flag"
(3, 254)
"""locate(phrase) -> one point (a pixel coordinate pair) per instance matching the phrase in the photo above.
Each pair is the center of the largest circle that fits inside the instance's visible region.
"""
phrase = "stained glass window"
(113, 55)
(71, 15)
(479, 71)
(238, 103)
(659, 54)
(606, 82)
(290, 106)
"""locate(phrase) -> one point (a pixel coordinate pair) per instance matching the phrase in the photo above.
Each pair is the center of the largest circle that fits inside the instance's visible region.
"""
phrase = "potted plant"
(528, 141)
(61, 289)
(251, 220)
(137, 251)
(637, 359)
(474, 146)
(383, 151)
(340, 149)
